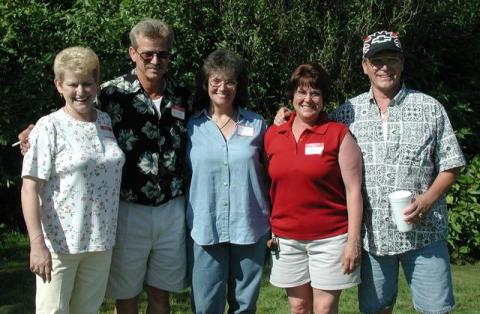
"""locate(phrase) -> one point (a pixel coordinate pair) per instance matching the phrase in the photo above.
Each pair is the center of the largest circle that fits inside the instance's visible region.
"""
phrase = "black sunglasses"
(148, 55)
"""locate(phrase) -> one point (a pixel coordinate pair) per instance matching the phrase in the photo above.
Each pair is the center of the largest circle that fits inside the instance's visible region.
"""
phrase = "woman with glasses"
(71, 186)
(316, 171)
(228, 207)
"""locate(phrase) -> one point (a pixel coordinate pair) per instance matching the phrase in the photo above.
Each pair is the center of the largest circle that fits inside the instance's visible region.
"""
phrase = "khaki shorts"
(318, 262)
(150, 249)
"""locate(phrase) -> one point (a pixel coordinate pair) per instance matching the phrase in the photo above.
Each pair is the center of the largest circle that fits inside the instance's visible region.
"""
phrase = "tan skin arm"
(350, 161)
(23, 137)
(422, 203)
(40, 258)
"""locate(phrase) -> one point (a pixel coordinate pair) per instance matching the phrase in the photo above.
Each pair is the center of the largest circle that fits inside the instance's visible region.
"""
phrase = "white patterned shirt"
(419, 144)
(81, 164)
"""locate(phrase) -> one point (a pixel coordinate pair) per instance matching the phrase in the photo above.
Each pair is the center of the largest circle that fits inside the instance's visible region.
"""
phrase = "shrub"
(464, 214)
(440, 39)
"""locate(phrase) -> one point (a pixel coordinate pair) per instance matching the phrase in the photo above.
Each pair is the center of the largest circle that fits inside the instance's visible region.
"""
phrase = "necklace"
(224, 125)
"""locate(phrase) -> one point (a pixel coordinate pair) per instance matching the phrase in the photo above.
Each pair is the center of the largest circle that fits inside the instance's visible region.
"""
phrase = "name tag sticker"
(314, 148)
(178, 112)
(243, 130)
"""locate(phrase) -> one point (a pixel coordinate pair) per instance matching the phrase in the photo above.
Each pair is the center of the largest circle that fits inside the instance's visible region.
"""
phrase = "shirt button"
(225, 204)
(225, 163)
(225, 183)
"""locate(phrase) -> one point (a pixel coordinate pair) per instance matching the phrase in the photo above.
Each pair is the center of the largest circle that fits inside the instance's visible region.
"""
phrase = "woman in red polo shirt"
(316, 171)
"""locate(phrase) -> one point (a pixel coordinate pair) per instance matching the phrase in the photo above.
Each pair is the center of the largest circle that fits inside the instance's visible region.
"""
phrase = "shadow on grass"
(17, 283)
(17, 287)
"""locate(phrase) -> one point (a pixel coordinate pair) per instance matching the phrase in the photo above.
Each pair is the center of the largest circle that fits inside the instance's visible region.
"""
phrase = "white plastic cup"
(399, 200)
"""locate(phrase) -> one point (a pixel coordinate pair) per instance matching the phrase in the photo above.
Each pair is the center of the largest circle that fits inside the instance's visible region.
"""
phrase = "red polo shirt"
(307, 190)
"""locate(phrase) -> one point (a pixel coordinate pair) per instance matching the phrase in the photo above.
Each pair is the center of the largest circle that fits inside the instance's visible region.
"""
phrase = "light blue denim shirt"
(228, 196)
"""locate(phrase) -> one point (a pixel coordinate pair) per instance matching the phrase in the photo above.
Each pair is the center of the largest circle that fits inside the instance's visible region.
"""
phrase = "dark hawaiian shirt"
(153, 142)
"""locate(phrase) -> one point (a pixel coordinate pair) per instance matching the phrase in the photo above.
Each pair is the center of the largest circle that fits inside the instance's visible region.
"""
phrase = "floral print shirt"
(419, 144)
(153, 142)
(82, 165)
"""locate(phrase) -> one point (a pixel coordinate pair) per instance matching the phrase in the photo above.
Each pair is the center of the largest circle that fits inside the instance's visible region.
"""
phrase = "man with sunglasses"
(407, 143)
(149, 113)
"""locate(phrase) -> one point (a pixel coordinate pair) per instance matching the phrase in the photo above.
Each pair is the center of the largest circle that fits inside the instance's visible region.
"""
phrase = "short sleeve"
(448, 154)
(39, 159)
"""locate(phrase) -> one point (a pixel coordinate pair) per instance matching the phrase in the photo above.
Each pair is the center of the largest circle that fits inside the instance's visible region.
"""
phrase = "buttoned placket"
(159, 134)
(383, 158)
(305, 133)
(224, 219)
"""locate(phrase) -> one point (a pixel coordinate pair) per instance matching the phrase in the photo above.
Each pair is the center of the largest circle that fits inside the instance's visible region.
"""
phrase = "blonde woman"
(71, 182)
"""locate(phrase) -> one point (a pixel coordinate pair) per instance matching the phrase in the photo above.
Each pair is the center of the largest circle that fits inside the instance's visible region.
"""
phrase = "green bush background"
(441, 40)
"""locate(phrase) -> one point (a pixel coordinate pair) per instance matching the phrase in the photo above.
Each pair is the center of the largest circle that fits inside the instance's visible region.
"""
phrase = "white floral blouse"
(82, 166)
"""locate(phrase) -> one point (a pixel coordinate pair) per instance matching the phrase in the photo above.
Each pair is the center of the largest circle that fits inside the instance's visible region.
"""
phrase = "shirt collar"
(320, 127)
(397, 99)
(130, 84)
(240, 113)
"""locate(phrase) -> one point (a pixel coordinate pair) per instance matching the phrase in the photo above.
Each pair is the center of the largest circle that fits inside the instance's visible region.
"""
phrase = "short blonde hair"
(152, 28)
(79, 60)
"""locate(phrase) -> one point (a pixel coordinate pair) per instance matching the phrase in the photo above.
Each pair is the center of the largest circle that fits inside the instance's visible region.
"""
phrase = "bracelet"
(36, 237)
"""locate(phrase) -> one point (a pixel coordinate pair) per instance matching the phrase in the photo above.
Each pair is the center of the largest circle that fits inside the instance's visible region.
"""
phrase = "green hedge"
(464, 214)
(440, 38)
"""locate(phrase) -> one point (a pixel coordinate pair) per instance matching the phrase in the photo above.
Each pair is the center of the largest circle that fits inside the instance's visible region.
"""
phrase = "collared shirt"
(154, 171)
(228, 196)
(419, 144)
(307, 190)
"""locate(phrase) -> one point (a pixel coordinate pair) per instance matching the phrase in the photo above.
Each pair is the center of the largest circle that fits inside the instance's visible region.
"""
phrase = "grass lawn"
(17, 287)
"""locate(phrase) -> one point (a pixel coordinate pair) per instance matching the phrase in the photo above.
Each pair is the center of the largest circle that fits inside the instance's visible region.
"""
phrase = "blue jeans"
(428, 274)
(225, 268)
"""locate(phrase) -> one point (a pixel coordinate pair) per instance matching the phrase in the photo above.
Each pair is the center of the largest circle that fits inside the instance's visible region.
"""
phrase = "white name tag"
(245, 130)
(314, 148)
(178, 112)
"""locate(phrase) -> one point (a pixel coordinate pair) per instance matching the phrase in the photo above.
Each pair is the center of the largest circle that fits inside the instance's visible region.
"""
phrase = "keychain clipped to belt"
(274, 245)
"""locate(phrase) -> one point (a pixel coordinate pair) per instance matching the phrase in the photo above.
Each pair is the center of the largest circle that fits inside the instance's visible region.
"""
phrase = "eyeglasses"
(215, 83)
(147, 56)
(381, 61)
(314, 95)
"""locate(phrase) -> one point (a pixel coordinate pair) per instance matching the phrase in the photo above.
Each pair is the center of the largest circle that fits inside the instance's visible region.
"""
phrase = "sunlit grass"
(17, 287)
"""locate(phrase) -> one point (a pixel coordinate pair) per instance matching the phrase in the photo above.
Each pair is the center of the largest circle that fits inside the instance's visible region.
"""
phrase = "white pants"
(78, 284)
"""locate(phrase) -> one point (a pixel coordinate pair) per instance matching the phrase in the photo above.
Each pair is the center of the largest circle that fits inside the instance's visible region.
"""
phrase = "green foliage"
(440, 38)
(464, 214)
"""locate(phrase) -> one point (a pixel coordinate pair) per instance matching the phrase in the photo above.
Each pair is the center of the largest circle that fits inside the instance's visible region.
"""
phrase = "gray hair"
(152, 28)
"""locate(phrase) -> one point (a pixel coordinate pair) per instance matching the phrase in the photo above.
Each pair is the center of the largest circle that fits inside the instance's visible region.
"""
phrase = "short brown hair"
(221, 60)
(309, 74)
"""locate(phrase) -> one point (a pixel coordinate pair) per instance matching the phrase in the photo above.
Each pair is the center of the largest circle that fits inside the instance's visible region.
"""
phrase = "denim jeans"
(427, 271)
(226, 271)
